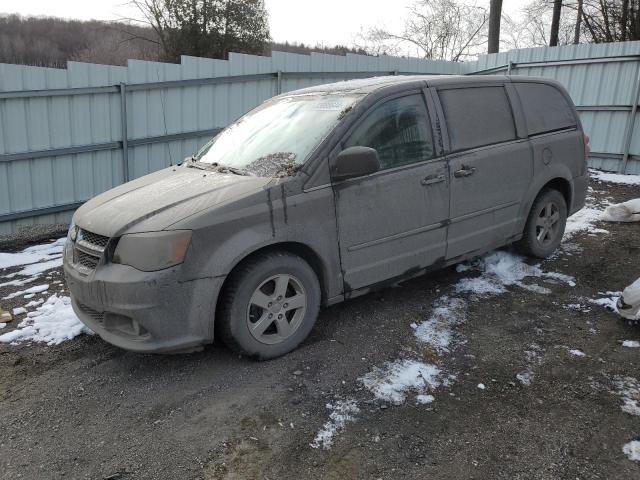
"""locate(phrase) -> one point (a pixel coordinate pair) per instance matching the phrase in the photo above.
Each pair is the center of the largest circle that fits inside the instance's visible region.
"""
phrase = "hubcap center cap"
(276, 307)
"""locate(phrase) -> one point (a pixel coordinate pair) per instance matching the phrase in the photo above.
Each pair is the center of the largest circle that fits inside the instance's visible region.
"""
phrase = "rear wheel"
(269, 305)
(545, 226)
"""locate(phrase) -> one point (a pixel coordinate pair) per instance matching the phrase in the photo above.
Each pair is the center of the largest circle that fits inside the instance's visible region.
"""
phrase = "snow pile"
(392, 382)
(631, 344)
(615, 177)
(344, 411)
(437, 330)
(53, 322)
(629, 389)
(502, 269)
(622, 212)
(632, 450)
(48, 252)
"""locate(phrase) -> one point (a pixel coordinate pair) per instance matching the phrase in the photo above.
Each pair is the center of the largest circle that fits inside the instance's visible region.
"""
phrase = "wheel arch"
(563, 186)
(302, 250)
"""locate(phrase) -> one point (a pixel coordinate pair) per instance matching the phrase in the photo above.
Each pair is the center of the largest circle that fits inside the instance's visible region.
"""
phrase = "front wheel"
(269, 305)
(545, 226)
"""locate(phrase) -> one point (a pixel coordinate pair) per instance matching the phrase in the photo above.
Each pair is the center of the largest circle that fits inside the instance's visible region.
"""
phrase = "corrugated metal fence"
(604, 82)
(67, 135)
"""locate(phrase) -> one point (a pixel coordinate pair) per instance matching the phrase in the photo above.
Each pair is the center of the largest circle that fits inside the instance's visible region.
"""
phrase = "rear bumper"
(580, 187)
(151, 312)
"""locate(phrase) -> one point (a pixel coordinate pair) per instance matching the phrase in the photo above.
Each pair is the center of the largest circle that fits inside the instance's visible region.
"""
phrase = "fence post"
(279, 80)
(628, 135)
(125, 131)
(509, 66)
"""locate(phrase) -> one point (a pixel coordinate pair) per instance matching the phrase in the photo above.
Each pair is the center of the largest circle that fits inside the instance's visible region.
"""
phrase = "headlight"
(154, 250)
(73, 232)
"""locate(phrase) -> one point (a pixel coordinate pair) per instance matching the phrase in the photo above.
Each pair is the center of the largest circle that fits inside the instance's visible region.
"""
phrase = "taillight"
(587, 147)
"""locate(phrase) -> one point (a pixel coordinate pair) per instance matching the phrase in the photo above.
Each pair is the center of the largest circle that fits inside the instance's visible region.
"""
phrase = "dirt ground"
(85, 409)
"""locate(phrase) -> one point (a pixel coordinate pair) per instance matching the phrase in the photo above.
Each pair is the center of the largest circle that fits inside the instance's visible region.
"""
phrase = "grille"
(94, 239)
(90, 312)
(86, 260)
(88, 250)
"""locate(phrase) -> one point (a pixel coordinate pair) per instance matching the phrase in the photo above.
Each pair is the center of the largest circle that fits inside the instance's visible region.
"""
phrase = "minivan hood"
(156, 201)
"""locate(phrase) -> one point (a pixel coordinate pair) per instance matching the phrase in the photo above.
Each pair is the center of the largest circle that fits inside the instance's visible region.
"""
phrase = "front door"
(393, 223)
(490, 169)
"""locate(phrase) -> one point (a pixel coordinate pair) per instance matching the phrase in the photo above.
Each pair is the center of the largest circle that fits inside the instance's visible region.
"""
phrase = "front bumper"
(152, 312)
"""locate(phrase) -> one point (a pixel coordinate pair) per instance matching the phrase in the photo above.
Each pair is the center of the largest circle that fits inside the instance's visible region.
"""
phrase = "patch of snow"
(615, 177)
(525, 378)
(392, 382)
(34, 254)
(629, 389)
(632, 450)
(29, 291)
(34, 303)
(424, 399)
(436, 331)
(19, 282)
(38, 268)
(502, 269)
(343, 411)
(631, 344)
(53, 322)
(577, 307)
(19, 310)
(577, 353)
(2, 325)
(481, 386)
(609, 302)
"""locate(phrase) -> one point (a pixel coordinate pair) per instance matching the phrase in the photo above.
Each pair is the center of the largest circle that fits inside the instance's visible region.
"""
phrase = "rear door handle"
(432, 179)
(465, 171)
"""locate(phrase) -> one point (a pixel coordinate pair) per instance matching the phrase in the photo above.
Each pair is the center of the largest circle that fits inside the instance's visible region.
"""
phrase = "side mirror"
(355, 162)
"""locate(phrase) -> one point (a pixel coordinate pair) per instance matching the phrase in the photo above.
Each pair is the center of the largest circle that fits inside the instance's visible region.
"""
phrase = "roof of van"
(368, 85)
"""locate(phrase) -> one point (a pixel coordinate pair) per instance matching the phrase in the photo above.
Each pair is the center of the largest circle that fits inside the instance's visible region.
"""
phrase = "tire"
(545, 225)
(249, 325)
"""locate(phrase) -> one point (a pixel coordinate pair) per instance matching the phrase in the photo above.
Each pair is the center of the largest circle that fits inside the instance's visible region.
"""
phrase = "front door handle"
(432, 179)
(465, 171)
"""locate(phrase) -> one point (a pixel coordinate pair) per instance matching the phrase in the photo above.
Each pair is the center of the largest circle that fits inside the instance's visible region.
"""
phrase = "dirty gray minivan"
(320, 195)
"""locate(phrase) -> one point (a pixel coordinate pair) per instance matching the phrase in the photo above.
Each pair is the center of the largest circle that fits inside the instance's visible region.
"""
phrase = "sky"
(327, 22)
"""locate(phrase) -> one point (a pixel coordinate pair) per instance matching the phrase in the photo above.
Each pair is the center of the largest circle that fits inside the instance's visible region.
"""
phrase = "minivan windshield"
(276, 138)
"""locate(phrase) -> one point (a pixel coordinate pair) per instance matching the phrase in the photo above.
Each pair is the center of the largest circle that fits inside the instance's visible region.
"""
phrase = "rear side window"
(399, 130)
(477, 116)
(545, 108)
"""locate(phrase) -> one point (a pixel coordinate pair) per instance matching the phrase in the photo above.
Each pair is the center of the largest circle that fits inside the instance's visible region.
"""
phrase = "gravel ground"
(85, 409)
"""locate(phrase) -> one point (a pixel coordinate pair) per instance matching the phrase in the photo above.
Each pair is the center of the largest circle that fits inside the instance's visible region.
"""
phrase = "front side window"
(477, 116)
(399, 130)
(278, 136)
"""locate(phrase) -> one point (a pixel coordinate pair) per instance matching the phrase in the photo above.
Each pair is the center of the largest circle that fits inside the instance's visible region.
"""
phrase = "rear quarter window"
(545, 108)
(477, 116)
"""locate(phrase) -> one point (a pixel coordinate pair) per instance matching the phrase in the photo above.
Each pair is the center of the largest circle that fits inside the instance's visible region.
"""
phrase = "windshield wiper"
(237, 171)
(215, 167)
(194, 163)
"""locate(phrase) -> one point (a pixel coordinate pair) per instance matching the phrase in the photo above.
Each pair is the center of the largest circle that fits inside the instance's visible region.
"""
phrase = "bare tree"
(532, 28)
(434, 29)
(495, 14)
(206, 28)
(576, 33)
(611, 20)
(555, 23)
